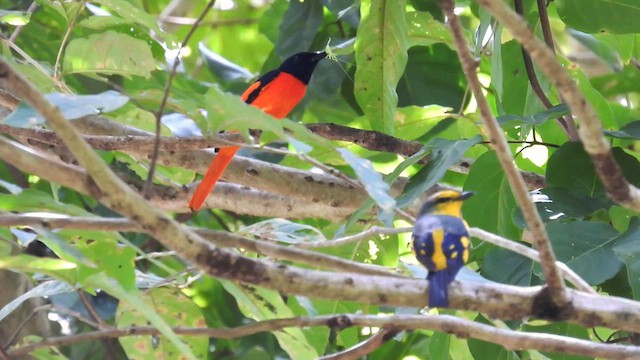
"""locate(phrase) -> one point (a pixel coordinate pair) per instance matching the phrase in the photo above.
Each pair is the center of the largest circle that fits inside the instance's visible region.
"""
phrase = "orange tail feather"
(217, 167)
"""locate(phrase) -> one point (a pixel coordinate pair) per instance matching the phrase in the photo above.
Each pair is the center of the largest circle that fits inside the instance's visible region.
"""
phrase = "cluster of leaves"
(400, 76)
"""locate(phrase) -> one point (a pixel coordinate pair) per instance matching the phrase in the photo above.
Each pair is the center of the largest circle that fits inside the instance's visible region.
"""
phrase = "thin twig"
(65, 38)
(165, 97)
(536, 226)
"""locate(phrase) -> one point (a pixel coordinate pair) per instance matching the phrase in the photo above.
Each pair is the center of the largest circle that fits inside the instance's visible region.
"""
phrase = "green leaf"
(599, 48)
(592, 16)
(130, 13)
(299, 25)
(414, 121)
(108, 53)
(563, 165)
(223, 68)
(596, 99)
(587, 248)
(485, 350)
(627, 249)
(565, 203)
(563, 329)
(433, 75)
(263, 304)
(60, 269)
(283, 230)
(439, 345)
(72, 107)
(626, 81)
(372, 181)
(176, 309)
(14, 18)
(444, 153)
(629, 131)
(33, 200)
(506, 267)
(47, 288)
(424, 30)
(381, 55)
(492, 207)
(536, 119)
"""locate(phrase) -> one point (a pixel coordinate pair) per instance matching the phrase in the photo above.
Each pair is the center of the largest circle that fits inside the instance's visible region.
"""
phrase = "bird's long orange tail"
(217, 167)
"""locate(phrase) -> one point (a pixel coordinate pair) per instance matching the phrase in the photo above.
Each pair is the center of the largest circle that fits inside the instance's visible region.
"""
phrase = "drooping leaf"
(589, 15)
(223, 68)
(47, 288)
(587, 248)
(176, 309)
(535, 119)
(283, 230)
(492, 207)
(72, 107)
(263, 304)
(444, 153)
(381, 55)
(599, 48)
(108, 53)
(372, 181)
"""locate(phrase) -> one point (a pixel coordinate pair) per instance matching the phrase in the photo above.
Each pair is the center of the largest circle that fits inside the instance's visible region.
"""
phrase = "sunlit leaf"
(108, 53)
(381, 54)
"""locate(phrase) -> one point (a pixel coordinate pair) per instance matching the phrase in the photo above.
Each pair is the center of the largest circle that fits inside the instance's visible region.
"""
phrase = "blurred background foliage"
(396, 72)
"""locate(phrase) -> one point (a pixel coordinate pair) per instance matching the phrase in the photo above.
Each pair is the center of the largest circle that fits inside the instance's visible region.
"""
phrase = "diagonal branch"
(595, 144)
(555, 283)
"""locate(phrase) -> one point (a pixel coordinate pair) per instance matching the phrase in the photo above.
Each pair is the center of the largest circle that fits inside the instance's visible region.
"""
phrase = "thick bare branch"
(590, 131)
(499, 142)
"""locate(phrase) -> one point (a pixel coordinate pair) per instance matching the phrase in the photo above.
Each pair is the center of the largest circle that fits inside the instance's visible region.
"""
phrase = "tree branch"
(595, 144)
(509, 339)
(534, 223)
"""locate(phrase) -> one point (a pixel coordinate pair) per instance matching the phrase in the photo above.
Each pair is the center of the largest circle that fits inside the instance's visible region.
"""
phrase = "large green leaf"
(299, 26)
(492, 207)
(433, 76)
(627, 249)
(587, 248)
(108, 53)
(263, 304)
(127, 11)
(593, 16)
(176, 309)
(414, 121)
(424, 30)
(506, 267)
(571, 159)
(564, 329)
(135, 300)
(444, 153)
(381, 55)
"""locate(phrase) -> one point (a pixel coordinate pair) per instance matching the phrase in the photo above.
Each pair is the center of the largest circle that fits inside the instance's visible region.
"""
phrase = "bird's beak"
(466, 194)
(320, 55)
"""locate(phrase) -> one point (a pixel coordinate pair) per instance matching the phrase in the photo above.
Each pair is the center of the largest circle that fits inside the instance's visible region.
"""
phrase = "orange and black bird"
(441, 242)
(276, 93)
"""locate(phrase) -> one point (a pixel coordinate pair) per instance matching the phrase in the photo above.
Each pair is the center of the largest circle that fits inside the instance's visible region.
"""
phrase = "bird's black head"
(301, 65)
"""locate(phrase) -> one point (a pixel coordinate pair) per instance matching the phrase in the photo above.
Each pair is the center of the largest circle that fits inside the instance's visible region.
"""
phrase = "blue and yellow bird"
(441, 242)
